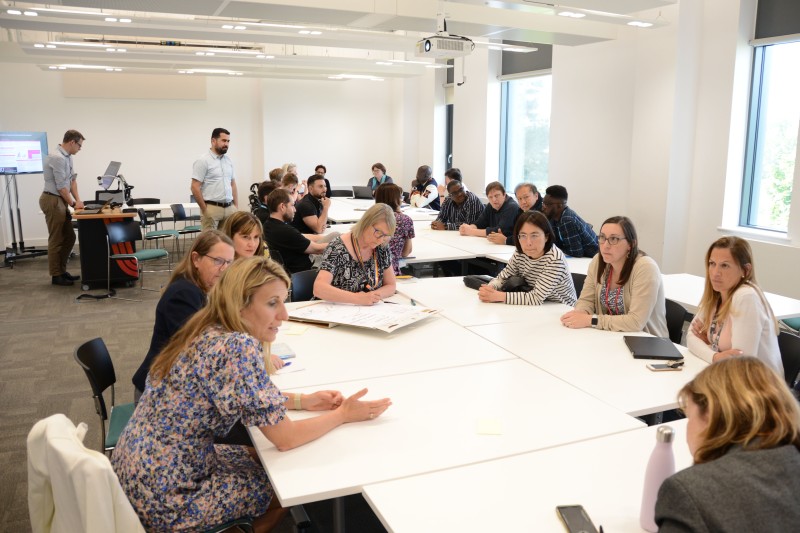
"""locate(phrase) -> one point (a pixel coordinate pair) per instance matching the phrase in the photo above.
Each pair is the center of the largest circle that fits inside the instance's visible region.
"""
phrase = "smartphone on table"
(575, 519)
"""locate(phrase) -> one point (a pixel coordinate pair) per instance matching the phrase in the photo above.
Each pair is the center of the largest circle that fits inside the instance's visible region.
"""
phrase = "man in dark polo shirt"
(284, 238)
(312, 211)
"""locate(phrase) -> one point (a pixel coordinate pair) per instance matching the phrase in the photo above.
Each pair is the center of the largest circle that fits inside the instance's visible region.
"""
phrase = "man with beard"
(214, 183)
(312, 210)
(282, 237)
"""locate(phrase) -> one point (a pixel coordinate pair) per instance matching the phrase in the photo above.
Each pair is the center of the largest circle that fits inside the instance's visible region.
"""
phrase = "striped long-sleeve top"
(549, 277)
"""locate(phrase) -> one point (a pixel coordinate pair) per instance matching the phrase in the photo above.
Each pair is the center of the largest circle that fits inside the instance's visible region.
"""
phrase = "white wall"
(346, 126)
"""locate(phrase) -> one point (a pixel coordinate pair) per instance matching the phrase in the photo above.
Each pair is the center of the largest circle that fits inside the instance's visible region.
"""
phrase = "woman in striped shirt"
(538, 261)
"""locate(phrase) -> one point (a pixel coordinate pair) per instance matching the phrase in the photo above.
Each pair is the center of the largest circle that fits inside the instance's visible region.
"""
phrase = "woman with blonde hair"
(357, 266)
(246, 232)
(744, 434)
(734, 317)
(212, 373)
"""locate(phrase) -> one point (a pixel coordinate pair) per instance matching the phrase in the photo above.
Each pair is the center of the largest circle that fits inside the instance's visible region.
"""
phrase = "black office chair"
(276, 256)
(577, 280)
(153, 216)
(303, 285)
(341, 193)
(790, 356)
(94, 359)
(120, 239)
(676, 317)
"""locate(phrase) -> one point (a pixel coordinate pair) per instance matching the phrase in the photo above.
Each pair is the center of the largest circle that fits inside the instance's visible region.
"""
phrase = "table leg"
(338, 515)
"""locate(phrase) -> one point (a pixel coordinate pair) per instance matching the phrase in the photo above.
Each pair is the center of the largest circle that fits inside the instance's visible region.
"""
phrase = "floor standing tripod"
(17, 250)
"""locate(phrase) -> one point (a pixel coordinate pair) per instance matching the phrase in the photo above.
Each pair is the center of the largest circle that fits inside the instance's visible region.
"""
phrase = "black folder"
(652, 348)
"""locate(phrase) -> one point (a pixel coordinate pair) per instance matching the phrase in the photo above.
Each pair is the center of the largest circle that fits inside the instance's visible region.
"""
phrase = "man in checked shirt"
(460, 207)
(574, 236)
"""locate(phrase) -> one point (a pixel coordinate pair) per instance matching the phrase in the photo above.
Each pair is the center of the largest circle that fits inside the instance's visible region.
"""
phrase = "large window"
(773, 125)
(525, 131)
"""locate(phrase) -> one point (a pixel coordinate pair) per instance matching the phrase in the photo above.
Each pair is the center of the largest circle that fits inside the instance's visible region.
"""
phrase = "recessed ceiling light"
(62, 68)
(38, 45)
(209, 53)
(109, 69)
(111, 19)
(571, 14)
(14, 12)
(316, 33)
(52, 67)
(304, 32)
(227, 26)
(117, 70)
(111, 49)
(639, 24)
(199, 53)
(384, 63)
(240, 27)
(30, 14)
(49, 46)
(122, 50)
(125, 21)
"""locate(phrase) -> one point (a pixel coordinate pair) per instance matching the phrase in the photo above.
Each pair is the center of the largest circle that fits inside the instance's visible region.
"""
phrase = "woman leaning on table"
(185, 293)
(357, 266)
(538, 261)
(400, 243)
(744, 435)
(623, 290)
(734, 317)
(210, 374)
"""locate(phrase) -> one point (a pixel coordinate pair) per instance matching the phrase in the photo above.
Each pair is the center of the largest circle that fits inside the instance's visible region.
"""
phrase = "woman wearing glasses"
(246, 232)
(623, 290)
(185, 293)
(744, 435)
(734, 317)
(357, 266)
(538, 261)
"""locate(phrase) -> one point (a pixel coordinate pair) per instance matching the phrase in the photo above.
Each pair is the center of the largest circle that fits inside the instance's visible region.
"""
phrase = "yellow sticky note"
(489, 426)
(294, 329)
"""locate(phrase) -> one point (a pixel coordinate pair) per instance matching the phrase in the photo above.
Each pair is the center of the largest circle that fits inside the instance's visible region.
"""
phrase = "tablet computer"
(652, 348)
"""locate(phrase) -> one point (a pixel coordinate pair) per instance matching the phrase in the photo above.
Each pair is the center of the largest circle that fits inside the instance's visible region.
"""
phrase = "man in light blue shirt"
(60, 193)
(214, 183)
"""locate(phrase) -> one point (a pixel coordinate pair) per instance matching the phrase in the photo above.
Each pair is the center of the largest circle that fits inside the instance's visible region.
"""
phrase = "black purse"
(516, 284)
(474, 281)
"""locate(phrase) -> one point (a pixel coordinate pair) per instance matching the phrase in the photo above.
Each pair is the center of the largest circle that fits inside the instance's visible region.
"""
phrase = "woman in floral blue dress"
(210, 374)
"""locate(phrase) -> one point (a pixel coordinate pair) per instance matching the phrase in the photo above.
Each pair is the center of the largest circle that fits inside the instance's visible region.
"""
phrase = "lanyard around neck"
(357, 250)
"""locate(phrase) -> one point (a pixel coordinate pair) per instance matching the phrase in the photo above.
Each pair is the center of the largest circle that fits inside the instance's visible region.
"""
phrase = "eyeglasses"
(530, 236)
(219, 262)
(550, 203)
(613, 240)
(79, 143)
(379, 234)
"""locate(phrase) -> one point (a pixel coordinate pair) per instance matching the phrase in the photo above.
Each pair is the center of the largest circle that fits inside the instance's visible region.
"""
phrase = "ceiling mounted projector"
(444, 47)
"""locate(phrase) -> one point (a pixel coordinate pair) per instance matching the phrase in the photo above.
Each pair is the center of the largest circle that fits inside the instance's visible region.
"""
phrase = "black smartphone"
(575, 519)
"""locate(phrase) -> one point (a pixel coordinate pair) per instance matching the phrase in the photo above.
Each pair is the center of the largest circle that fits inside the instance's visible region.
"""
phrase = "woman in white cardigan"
(734, 317)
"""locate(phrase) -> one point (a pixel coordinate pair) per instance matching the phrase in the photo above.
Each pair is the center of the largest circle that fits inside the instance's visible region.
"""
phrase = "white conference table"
(605, 475)
(348, 210)
(165, 207)
(687, 290)
(343, 353)
(460, 304)
(438, 419)
(597, 362)
(477, 246)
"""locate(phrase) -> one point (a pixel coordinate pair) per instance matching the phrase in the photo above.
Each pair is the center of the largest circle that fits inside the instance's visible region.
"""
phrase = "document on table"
(383, 316)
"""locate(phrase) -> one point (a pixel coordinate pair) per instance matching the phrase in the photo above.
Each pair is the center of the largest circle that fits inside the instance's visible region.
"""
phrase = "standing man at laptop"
(60, 181)
(214, 183)
(312, 211)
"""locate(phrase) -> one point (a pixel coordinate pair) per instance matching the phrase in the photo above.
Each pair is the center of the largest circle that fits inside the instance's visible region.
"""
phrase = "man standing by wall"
(214, 183)
(60, 193)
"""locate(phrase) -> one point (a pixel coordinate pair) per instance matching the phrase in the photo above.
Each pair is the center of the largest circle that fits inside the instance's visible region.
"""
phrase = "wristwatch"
(594, 321)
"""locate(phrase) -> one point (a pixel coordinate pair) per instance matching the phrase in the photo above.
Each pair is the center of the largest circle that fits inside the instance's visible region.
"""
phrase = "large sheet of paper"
(383, 316)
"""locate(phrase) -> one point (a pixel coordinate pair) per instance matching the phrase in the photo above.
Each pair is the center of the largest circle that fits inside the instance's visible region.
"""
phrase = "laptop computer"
(652, 348)
(95, 210)
(110, 174)
(362, 192)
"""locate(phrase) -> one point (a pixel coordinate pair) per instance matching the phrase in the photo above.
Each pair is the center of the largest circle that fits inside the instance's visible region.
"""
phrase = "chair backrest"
(127, 231)
(178, 212)
(102, 196)
(790, 355)
(676, 316)
(144, 201)
(70, 487)
(94, 359)
(303, 285)
(577, 280)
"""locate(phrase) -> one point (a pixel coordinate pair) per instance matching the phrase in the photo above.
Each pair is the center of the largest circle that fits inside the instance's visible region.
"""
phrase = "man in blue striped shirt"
(574, 235)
